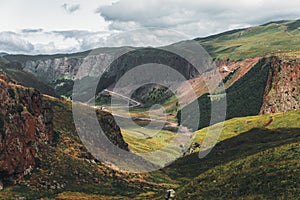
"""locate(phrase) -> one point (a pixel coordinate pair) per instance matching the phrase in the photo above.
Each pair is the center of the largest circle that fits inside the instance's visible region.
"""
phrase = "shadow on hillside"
(239, 147)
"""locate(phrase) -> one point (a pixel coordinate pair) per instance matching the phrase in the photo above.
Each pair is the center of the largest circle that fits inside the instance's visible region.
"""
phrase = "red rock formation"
(282, 90)
(25, 123)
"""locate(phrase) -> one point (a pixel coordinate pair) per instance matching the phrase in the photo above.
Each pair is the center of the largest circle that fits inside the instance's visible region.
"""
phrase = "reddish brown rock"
(25, 124)
(282, 90)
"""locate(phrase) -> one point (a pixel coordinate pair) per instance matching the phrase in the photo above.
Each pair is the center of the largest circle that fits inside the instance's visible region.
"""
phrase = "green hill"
(257, 154)
(28, 80)
(272, 173)
(248, 156)
(271, 38)
(271, 82)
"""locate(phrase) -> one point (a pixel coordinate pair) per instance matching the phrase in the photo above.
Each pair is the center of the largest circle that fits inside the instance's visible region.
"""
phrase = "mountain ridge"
(262, 86)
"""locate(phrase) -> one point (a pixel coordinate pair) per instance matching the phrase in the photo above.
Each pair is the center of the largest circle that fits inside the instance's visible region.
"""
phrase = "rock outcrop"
(282, 88)
(60, 72)
(50, 69)
(25, 124)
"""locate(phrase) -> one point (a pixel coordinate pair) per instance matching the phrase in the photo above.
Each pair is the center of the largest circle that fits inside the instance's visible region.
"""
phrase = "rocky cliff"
(36, 129)
(60, 71)
(49, 69)
(282, 89)
(269, 86)
(25, 124)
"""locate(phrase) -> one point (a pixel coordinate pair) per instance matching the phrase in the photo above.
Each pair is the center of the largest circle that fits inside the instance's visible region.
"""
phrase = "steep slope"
(60, 70)
(282, 90)
(26, 79)
(272, 85)
(25, 125)
(271, 38)
(244, 145)
(234, 71)
(269, 174)
(42, 156)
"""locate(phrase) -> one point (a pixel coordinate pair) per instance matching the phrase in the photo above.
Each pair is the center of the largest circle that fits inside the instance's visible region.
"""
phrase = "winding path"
(112, 93)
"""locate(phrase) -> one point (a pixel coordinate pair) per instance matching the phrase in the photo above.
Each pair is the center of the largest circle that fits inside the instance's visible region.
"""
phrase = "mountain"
(28, 80)
(26, 124)
(39, 147)
(271, 38)
(247, 162)
(256, 175)
(59, 71)
(257, 154)
(271, 85)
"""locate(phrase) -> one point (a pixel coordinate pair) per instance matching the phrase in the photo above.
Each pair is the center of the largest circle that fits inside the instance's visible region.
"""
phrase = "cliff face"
(49, 69)
(30, 123)
(25, 124)
(270, 86)
(60, 72)
(282, 89)
(111, 129)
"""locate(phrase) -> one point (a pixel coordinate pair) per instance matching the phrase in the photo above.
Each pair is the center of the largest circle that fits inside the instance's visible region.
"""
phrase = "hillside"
(246, 148)
(55, 160)
(249, 143)
(268, 174)
(264, 40)
(90, 179)
(28, 80)
(25, 126)
(256, 156)
(271, 85)
(238, 50)
(59, 71)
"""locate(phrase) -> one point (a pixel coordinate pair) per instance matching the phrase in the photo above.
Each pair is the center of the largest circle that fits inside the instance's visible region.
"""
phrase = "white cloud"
(144, 37)
(71, 8)
(38, 42)
(10, 42)
(35, 27)
(197, 18)
(16, 15)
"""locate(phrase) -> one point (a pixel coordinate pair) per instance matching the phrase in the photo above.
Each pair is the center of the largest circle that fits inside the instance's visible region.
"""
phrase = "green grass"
(246, 163)
(235, 126)
(28, 80)
(269, 174)
(242, 140)
(141, 145)
(255, 41)
(193, 173)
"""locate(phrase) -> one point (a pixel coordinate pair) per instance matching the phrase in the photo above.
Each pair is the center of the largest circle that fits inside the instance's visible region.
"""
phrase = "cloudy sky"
(56, 26)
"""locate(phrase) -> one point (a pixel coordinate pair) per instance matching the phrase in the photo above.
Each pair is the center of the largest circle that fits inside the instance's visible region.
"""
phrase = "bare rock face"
(50, 70)
(282, 90)
(25, 124)
(112, 131)
(61, 72)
